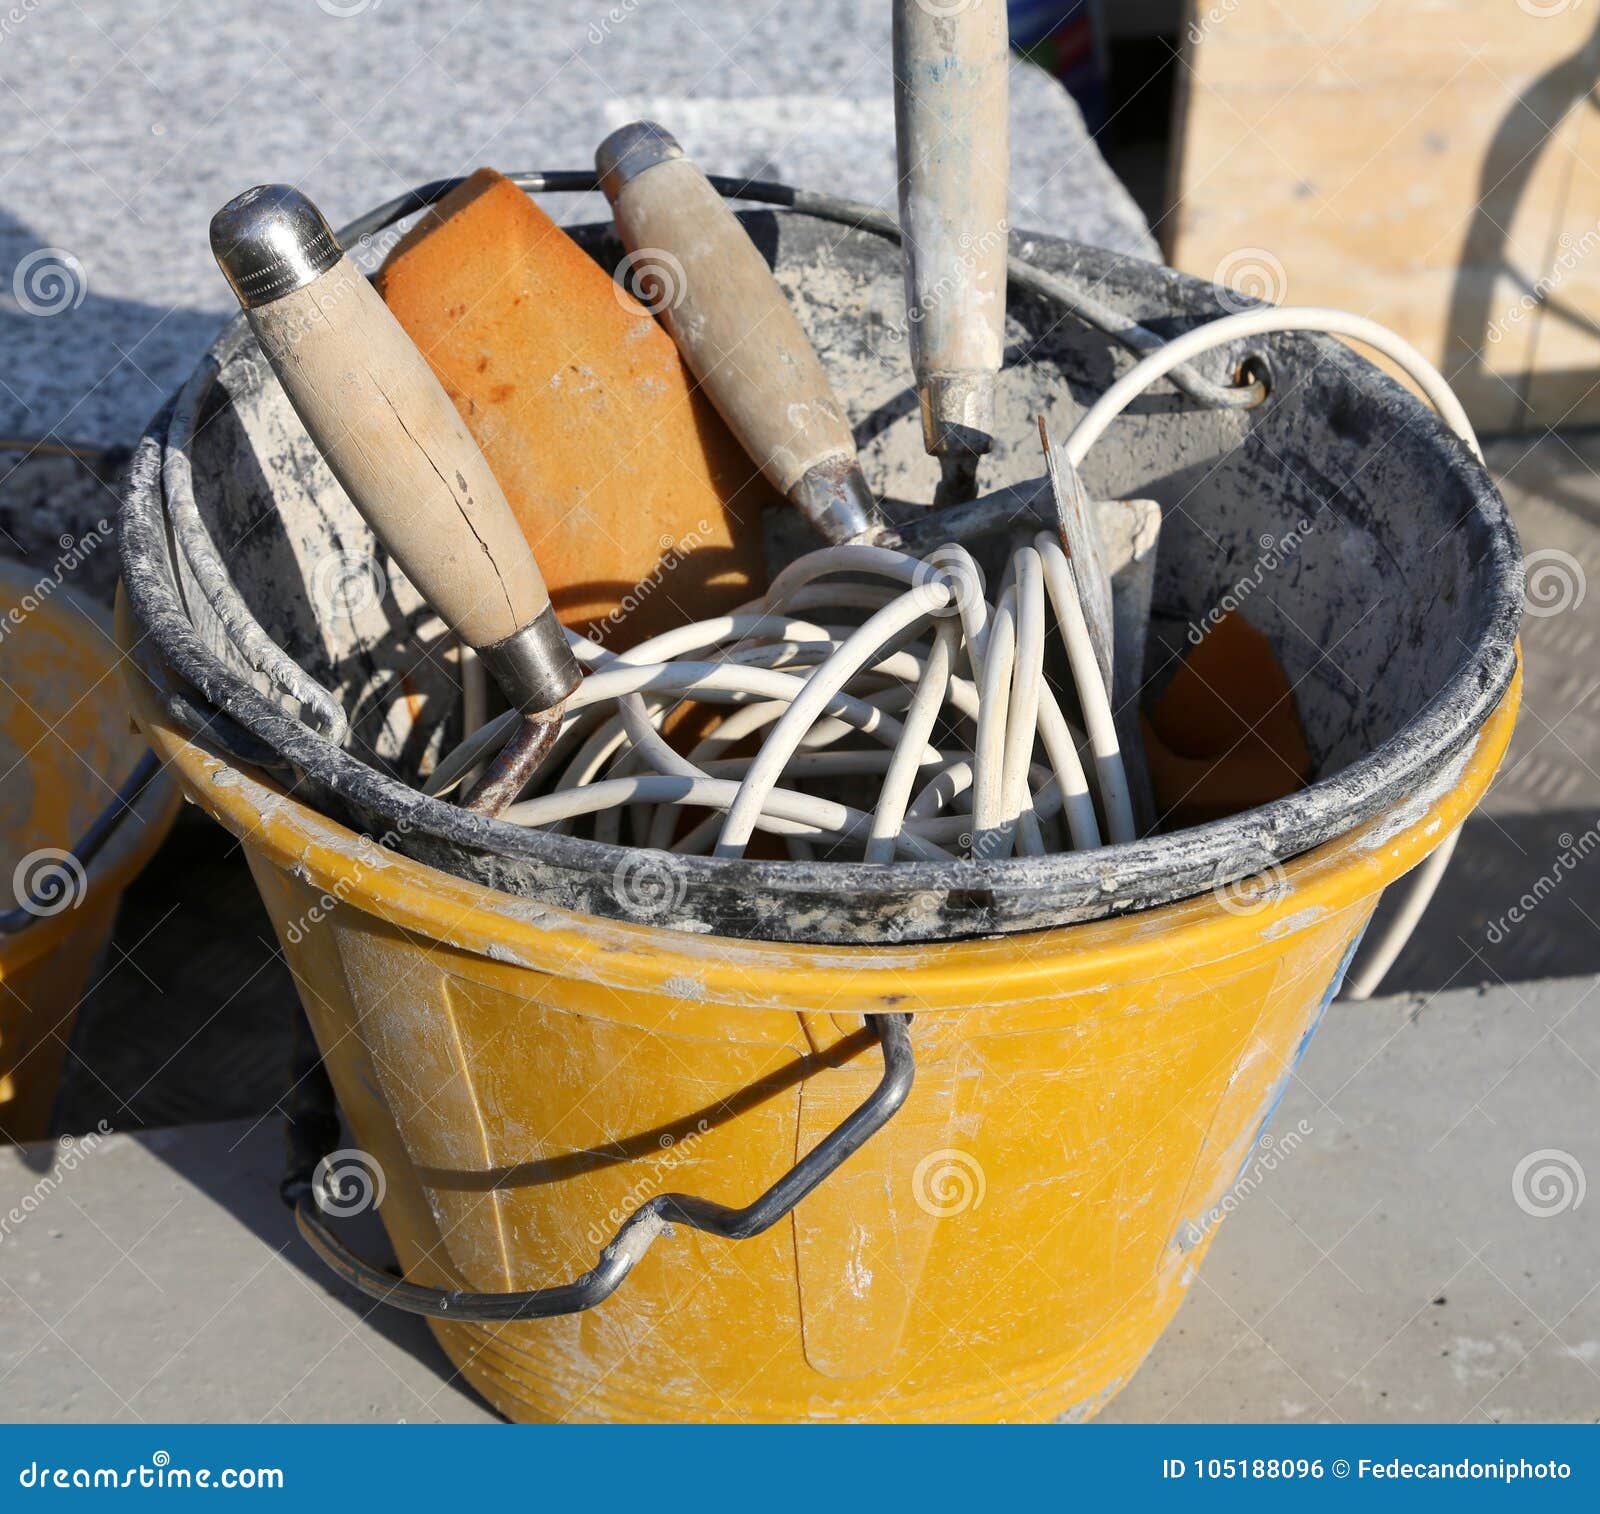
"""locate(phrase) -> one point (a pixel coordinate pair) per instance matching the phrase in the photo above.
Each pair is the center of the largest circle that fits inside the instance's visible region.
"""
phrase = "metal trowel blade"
(1080, 539)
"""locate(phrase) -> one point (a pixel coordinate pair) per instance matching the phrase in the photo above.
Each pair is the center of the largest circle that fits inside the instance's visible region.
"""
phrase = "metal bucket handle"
(314, 1129)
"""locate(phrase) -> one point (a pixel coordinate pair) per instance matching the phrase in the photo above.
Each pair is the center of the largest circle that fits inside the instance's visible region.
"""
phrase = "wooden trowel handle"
(951, 68)
(694, 265)
(392, 438)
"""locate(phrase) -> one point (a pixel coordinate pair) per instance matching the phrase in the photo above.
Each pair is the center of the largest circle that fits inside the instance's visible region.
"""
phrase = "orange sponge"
(1225, 735)
(641, 508)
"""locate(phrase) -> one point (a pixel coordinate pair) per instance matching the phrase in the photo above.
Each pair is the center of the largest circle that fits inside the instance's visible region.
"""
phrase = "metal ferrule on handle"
(834, 497)
(950, 70)
(392, 438)
(735, 329)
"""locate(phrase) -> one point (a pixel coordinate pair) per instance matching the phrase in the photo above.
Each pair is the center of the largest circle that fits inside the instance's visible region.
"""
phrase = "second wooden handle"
(720, 301)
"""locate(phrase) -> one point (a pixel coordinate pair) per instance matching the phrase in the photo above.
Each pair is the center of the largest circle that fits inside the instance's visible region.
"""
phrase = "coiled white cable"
(802, 688)
(1091, 426)
(799, 687)
(932, 688)
(1104, 742)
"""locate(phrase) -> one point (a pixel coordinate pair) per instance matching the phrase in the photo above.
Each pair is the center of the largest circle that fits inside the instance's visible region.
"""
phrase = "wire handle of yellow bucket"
(626, 1248)
(103, 462)
(89, 845)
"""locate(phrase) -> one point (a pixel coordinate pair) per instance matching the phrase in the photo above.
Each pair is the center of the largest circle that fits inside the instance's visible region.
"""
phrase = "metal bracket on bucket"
(641, 1228)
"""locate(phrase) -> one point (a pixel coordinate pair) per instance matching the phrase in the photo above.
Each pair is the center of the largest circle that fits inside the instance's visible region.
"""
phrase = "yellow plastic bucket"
(1009, 1246)
(66, 744)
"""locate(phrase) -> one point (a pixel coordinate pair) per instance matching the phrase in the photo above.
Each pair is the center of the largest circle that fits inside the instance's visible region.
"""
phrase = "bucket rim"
(880, 901)
(522, 934)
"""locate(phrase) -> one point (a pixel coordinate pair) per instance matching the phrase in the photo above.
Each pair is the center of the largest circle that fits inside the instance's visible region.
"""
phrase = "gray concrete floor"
(1392, 1266)
(1536, 830)
(1396, 1267)
(134, 120)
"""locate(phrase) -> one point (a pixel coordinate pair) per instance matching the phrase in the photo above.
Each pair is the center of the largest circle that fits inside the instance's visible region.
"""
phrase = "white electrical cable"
(804, 689)
(474, 691)
(821, 691)
(784, 805)
(904, 764)
(991, 833)
(705, 681)
(1363, 979)
(1094, 421)
(1022, 709)
(1104, 743)
(1061, 746)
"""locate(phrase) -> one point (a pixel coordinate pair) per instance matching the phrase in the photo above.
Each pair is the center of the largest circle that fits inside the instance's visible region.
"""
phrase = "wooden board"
(1418, 162)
